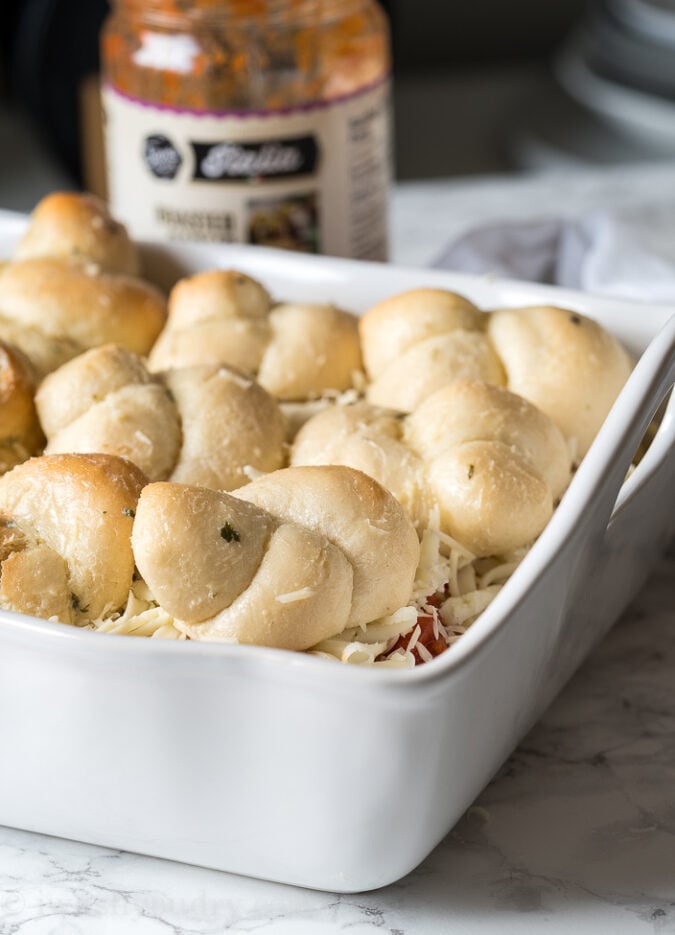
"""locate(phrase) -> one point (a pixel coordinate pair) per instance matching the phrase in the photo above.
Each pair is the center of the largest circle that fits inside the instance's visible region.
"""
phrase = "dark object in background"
(630, 43)
(619, 63)
(54, 47)
(8, 21)
(454, 33)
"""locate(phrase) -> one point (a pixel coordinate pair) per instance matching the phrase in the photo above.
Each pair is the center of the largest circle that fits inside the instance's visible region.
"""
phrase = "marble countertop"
(576, 832)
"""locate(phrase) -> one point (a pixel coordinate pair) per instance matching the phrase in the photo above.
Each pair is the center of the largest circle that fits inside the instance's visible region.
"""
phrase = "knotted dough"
(295, 351)
(199, 425)
(490, 462)
(65, 535)
(76, 226)
(566, 364)
(70, 287)
(20, 433)
(285, 561)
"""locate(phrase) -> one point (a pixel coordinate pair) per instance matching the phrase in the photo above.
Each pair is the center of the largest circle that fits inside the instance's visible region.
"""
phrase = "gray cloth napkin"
(628, 253)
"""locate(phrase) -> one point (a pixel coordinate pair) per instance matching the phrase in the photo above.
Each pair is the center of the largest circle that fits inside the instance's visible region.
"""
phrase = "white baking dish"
(298, 769)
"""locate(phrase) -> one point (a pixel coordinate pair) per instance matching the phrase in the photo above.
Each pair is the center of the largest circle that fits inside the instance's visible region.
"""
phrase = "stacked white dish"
(618, 65)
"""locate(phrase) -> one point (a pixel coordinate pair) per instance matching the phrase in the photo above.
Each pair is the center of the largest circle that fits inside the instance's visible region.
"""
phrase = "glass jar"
(250, 121)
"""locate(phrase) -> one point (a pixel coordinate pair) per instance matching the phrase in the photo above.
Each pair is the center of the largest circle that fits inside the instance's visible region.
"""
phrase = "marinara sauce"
(250, 121)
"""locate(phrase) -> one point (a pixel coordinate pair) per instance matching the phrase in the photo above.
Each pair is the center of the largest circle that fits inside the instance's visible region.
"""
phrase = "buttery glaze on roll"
(286, 561)
(369, 439)
(73, 226)
(65, 528)
(295, 351)
(73, 285)
(53, 309)
(488, 460)
(199, 425)
(20, 433)
(412, 341)
(495, 464)
(566, 364)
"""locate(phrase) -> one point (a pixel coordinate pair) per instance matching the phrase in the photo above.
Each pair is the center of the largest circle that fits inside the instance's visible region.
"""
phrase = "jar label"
(313, 178)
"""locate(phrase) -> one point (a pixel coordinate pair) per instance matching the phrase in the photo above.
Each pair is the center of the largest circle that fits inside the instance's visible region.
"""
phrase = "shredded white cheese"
(448, 575)
(293, 596)
(239, 379)
(142, 616)
(252, 473)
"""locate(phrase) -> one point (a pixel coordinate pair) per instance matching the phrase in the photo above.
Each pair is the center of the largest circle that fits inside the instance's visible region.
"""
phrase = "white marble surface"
(576, 833)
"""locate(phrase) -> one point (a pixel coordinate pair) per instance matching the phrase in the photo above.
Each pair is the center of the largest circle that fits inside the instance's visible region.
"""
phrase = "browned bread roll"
(20, 433)
(230, 424)
(495, 464)
(413, 341)
(105, 401)
(73, 226)
(369, 439)
(199, 425)
(564, 363)
(65, 528)
(287, 561)
(52, 310)
(360, 517)
(45, 352)
(295, 351)
(489, 461)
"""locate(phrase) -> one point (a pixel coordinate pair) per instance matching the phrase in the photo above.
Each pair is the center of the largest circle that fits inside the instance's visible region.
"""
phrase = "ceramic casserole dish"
(297, 769)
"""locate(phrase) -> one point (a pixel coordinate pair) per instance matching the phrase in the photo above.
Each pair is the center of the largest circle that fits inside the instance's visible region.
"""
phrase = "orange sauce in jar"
(255, 121)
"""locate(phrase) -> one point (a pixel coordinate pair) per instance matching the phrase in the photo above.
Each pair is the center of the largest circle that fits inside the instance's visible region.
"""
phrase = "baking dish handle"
(601, 478)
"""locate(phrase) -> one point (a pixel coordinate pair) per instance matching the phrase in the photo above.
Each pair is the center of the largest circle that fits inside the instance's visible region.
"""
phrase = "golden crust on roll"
(229, 424)
(60, 300)
(287, 561)
(312, 348)
(393, 326)
(217, 295)
(295, 351)
(495, 464)
(74, 226)
(219, 566)
(424, 368)
(180, 541)
(468, 411)
(413, 341)
(20, 433)
(45, 352)
(200, 425)
(73, 285)
(215, 317)
(566, 364)
(105, 401)
(357, 515)
(487, 460)
(65, 527)
(491, 499)
(369, 439)
(69, 392)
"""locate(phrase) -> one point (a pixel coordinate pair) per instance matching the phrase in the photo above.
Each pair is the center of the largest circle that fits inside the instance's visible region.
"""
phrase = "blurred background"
(481, 88)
